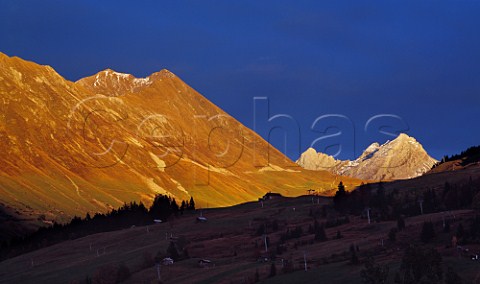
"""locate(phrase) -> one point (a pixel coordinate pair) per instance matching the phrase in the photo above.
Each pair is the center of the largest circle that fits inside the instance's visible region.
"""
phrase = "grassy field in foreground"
(229, 240)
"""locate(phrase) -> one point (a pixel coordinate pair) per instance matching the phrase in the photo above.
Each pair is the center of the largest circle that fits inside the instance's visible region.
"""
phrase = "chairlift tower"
(265, 239)
(305, 260)
(368, 214)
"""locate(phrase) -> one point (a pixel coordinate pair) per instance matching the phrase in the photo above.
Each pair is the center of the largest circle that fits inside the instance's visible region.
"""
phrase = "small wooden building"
(205, 263)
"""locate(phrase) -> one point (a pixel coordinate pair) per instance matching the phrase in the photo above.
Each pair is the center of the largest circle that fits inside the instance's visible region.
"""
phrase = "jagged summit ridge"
(402, 158)
(112, 83)
(106, 74)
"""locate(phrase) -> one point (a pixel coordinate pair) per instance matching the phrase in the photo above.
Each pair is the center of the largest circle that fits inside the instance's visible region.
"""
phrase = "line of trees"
(131, 214)
(391, 204)
(419, 265)
(471, 155)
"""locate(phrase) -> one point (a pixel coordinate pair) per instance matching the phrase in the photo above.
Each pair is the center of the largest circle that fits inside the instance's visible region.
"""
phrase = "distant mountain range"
(401, 158)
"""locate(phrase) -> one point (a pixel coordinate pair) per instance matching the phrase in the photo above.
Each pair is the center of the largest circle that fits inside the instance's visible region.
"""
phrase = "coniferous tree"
(123, 273)
(191, 204)
(475, 228)
(183, 206)
(174, 207)
(420, 265)
(172, 251)
(340, 197)
(446, 228)
(373, 273)
(161, 207)
(320, 234)
(392, 235)
(460, 231)
(451, 277)
(353, 257)
(400, 223)
(275, 225)
(428, 232)
(257, 277)
(273, 270)
(339, 235)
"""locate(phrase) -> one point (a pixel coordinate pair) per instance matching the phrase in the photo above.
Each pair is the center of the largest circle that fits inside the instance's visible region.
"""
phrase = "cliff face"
(402, 158)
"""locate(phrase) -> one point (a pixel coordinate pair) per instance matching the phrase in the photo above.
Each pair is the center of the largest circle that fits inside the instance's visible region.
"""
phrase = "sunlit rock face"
(402, 158)
(68, 148)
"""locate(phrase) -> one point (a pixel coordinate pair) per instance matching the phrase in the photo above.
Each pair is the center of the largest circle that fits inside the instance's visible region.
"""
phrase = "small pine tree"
(324, 211)
(339, 197)
(260, 230)
(475, 227)
(191, 204)
(392, 235)
(105, 274)
(420, 265)
(172, 251)
(460, 231)
(320, 234)
(275, 225)
(374, 274)
(400, 223)
(352, 248)
(339, 235)
(147, 260)
(183, 206)
(353, 257)
(428, 232)
(174, 207)
(256, 277)
(446, 229)
(123, 273)
(273, 270)
(451, 277)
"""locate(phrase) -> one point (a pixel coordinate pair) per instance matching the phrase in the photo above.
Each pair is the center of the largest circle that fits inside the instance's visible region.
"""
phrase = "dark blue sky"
(418, 60)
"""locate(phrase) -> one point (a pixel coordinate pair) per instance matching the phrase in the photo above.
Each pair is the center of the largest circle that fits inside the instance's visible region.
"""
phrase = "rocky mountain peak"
(402, 158)
(311, 160)
(164, 73)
